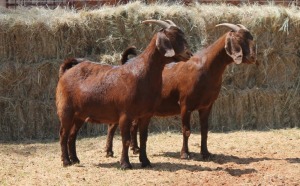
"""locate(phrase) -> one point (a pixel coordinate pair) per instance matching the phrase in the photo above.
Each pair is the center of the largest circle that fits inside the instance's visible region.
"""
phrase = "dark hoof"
(66, 163)
(206, 156)
(135, 150)
(109, 154)
(126, 166)
(74, 160)
(146, 164)
(185, 156)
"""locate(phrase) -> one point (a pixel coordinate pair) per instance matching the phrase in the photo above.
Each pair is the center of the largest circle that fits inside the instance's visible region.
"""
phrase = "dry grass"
(34, 42)
(241, 158)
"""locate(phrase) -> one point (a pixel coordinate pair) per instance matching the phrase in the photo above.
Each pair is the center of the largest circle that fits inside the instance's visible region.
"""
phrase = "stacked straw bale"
(34, 42)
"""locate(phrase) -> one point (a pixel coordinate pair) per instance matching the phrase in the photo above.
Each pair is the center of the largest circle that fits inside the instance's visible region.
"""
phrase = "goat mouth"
(182, 58)
(186, 56)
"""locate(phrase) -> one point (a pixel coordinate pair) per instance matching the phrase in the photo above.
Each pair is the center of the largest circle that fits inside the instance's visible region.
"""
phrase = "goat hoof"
(146, 164)
(206, 156)
(185, 156)
(109, 154)
(67, 163)
(136, 150)
(126, 166)
(75, 161)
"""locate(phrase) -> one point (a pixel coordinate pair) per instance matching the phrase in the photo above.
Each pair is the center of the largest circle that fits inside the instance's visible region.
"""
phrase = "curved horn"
(171, 22)
(229, 25)
(159, 22)
(242, 26)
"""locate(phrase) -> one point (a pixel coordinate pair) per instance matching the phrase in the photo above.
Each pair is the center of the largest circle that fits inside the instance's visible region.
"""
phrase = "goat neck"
(153, 60)
(148, 67)
(214, 58)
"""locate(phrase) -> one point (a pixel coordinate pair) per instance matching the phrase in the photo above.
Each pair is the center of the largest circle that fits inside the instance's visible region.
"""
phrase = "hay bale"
(34, 42)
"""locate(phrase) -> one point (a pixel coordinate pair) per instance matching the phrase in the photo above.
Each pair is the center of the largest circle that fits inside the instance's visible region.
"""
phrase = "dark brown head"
(239, 44)
(170, 41)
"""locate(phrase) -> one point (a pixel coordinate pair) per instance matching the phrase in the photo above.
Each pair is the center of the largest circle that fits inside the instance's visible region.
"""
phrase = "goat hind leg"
(64, 134)
(111, 129)
(77, 124)
(125, 124)
(186, 131)
(133, 134)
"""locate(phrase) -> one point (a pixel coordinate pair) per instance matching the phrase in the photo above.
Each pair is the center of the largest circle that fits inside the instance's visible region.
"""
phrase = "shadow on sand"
(293, 160)
(219, 158)
(173, 167)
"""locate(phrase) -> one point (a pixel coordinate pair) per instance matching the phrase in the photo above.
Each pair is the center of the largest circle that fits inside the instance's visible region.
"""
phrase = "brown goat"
(195, 85)
(92, 92)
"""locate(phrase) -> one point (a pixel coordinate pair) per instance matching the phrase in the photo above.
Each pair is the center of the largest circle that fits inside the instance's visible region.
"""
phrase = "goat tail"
(67, 64)
(128, 51)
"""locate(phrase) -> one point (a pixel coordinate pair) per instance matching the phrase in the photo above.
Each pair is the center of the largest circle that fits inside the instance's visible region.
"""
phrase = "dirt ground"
(240, 158)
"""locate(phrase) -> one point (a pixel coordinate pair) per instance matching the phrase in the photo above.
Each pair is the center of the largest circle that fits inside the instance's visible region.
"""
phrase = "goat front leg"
(133, 133)
(111, 129)
(186, 132)
(125, 124)
(143, 127)
(203, 115)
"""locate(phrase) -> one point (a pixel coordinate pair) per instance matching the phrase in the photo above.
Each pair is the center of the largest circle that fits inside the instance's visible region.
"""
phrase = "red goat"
(197, 85)
(92, 92)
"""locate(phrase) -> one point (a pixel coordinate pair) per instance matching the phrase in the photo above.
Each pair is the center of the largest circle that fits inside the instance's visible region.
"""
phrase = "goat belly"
(96, 121)
(98, 115)
(167, 110)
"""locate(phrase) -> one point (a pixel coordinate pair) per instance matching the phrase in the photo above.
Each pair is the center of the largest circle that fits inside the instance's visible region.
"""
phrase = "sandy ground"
(240, 158)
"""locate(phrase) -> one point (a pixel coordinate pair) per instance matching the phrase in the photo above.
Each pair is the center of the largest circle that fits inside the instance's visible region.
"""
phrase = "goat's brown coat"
(115, 94)
(195, 85)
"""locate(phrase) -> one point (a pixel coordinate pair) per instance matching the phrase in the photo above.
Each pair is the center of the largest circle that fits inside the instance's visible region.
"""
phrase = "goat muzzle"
(184, 56)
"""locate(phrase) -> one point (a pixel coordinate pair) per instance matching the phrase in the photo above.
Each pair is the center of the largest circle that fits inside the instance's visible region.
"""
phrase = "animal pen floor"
(240, 158)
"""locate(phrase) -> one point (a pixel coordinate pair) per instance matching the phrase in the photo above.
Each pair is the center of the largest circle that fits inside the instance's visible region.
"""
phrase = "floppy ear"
(233, 48)
(164, 45)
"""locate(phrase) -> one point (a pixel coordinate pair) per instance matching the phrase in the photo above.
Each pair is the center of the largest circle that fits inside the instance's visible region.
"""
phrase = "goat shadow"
(219, 158)
(173, 167)
(293, 160)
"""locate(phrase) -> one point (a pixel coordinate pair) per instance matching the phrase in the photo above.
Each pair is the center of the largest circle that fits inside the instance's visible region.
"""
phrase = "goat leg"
(143, 128)
(109, 140)
(72, 141)
(64, 134)
(125, 125)
(203, 115)
(133, 133)
(186, 132)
